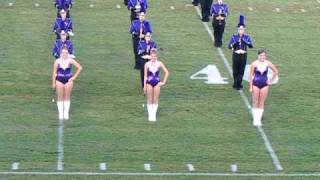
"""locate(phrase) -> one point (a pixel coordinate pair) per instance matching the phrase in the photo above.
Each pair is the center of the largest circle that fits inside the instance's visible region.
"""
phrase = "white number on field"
(211, 74)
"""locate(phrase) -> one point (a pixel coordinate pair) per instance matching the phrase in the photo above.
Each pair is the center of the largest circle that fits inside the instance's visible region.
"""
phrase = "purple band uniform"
(153, 76)
(63, 74)
(260, 76)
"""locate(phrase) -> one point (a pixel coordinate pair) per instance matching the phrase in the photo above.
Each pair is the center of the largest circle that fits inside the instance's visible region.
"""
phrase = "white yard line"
(60, 146)
(267, 143)
(163, 174)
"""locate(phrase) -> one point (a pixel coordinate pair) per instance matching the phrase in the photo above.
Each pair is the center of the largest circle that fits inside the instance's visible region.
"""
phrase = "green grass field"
(208, 126)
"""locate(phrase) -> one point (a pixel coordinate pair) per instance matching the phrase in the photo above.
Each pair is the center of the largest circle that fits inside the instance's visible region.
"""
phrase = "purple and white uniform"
(153, 73)
(64, 72)
(260, 78)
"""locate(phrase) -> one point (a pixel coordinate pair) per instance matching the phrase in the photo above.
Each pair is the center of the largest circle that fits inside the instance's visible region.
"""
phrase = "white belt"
(240, 51)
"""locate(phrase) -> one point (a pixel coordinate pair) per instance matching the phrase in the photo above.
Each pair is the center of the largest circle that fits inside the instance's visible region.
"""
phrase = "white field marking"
(10, 4)
(36, 4)
(234, 168)
(91, 5)
(267, 143)
(172, 8)
(102, 167)
(316, 174)
(277, 9)
(212, 73)
(303, 10)
(190, 167)
(60, 146)
(318, 1)
(147, 167)
(118, 6)
(188, 5)
(250, 8)
(15, 166)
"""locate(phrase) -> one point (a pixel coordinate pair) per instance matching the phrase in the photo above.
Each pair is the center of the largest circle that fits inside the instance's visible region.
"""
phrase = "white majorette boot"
(255, 117)
(259, 116)
(149, 108)
(60, 109)
(66, 110)
(155, 110)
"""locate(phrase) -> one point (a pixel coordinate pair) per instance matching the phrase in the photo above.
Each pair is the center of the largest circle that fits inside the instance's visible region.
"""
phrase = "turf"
(208, 126)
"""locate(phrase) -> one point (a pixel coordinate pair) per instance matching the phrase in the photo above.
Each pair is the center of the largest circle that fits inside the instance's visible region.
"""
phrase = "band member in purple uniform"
(63, 24)
(62, 81)
(144, 49)
(136, 7)
(152, 83)
(239, 44)
(63, 4)
(61, 43)
(259, 84)
(205, 9)
(219, 12)
(138, 29)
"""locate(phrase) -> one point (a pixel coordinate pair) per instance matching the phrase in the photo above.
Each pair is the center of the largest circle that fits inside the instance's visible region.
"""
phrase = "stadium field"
(206, 126)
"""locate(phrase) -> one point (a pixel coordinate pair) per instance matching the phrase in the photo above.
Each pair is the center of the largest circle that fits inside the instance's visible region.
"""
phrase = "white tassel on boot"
(60, 109)
(66, 109)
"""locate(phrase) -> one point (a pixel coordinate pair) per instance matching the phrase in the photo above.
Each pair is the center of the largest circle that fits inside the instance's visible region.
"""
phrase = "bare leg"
(68, 89)
(156, 94)
(60, 91)
(263, 96)
(255, 103)
(255, 97)
(149, 94)
(60, 95)
(156, 91)
(150, 102)
(66, 102)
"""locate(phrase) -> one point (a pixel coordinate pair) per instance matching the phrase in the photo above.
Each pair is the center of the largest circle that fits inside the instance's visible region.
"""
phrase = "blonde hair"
(154, 51)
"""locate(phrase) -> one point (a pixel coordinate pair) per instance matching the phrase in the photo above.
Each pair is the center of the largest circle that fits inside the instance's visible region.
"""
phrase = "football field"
(201, 130)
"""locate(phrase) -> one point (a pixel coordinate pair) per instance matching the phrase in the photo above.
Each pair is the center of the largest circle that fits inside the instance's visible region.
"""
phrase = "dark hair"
(260, 51)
